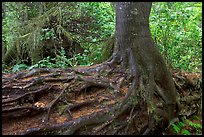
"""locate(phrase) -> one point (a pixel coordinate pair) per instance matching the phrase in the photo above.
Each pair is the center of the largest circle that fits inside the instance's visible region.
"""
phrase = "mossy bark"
(37, 54)
(108, 47)
(10, 55)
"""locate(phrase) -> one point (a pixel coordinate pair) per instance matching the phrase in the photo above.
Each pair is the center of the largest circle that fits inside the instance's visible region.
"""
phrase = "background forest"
(176, 28)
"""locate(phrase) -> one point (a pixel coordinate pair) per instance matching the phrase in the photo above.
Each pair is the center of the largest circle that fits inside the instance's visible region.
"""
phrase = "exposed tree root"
(72, 126)
(120, 108)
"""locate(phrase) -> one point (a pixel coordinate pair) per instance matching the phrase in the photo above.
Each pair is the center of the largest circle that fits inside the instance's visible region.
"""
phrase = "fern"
(185, 132)
(195, 125)
(176, 128)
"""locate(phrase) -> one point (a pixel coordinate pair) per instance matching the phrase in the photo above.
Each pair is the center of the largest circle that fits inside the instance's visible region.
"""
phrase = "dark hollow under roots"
(100, 99)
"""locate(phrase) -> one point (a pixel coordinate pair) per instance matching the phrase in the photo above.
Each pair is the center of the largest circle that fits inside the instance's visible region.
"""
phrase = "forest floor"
(188, 129)
(191, 125)
(82, 104)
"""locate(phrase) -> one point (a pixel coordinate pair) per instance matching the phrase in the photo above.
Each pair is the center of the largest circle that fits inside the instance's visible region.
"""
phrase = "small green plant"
(46, 62)
(196, 126)
(19, 67)
(187, 127)
(195, 117)
(177, 126)
(48, 34)
(61, 61)
(185, 132)
(5, 68)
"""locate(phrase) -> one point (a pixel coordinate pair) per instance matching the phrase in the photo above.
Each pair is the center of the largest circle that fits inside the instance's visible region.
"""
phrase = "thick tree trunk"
(141, 58)
(131, 93)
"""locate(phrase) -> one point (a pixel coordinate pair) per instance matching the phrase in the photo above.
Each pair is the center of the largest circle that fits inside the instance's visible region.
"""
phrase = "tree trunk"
(140, 57)
(130, 93)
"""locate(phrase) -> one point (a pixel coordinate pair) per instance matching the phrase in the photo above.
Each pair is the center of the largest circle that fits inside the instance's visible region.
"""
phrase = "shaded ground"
(76, 105)
(190, 128)
(188, 82)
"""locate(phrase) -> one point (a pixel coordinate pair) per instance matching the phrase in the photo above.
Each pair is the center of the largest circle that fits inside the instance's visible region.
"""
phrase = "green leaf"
(185, 132)
(195, 117)
(19, 67)
(176, 129)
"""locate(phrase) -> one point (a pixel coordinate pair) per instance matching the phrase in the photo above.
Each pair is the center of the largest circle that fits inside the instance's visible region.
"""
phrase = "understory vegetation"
(187, 126)
(176, 29)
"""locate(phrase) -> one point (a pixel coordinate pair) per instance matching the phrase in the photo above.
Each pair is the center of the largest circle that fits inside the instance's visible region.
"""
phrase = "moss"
(107, 49)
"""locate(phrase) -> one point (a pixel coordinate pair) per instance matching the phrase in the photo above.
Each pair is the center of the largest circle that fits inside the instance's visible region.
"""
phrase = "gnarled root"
(84, 101)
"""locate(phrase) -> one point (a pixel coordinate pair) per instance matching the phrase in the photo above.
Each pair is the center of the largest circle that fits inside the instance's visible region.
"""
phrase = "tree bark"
(141, 58)
(130, 93)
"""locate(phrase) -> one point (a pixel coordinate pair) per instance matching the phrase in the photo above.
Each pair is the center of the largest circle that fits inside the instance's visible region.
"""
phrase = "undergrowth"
(187, 126)
(60, 61)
